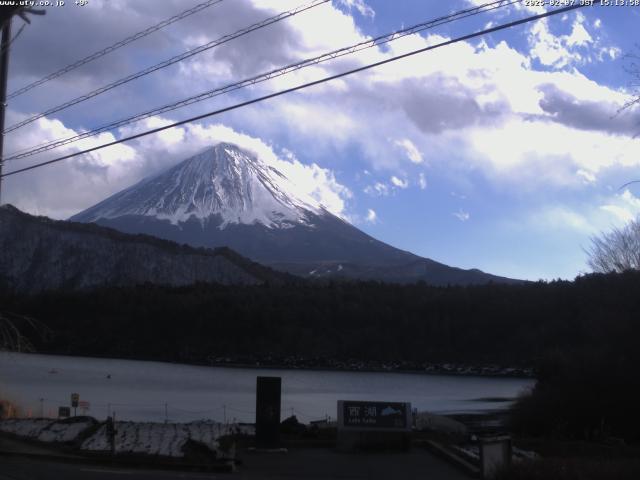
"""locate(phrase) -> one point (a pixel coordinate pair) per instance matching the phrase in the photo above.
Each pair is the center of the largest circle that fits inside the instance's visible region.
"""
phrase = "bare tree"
(617, 250)
(12, 327)
(632, 67)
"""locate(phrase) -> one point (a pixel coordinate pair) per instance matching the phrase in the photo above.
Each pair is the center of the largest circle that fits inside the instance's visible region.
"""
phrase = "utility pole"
(4, 70)
(5, 44)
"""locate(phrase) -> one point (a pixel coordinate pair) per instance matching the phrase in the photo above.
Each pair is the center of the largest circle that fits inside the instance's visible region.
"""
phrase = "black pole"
(4, 70)
(268, 392)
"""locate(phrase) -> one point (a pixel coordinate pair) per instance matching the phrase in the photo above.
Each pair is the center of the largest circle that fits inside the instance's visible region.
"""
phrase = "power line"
(265, 76)
(306, 85)
(170, 61)
(115, 46)
(382, 39)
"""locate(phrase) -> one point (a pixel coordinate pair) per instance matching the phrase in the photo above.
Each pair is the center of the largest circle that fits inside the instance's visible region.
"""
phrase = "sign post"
(75, 398)
(110, 431)
(364, 424)
(84, 406)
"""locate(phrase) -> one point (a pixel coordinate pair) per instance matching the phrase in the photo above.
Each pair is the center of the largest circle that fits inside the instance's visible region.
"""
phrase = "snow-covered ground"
(168, 439)
(160, 438)
(44, 429)
(155, 392)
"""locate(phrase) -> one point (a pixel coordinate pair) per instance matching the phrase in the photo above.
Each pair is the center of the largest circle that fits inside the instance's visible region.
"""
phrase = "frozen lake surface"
(153, 391)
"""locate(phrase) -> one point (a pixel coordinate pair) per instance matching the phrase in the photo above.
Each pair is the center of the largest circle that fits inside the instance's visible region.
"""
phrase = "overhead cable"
(115, 46)
(305, 85)
(169, 62)
(370, 43)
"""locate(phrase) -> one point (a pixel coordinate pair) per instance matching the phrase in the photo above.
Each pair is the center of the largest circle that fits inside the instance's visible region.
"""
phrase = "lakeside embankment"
(335, 365)
(448, 368)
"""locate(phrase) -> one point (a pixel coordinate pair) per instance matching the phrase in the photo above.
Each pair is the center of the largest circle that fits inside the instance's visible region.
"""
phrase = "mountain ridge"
(226, 195)
(38, 253)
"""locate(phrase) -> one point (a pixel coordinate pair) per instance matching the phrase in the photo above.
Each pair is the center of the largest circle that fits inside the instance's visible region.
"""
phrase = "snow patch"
(167, 439)
(151, 438)
(45, 430)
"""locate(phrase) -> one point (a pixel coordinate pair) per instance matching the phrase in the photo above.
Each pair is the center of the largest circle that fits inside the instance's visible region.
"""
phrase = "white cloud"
(559, 51)
(623, 207)
(361, 6)
(552, 156)
(460, 94)
(562, 218)
(549, 49)
(422, 181)
(579, 35)
(472, 106)
(378, 189)
(90, 178)
(372, 216)
(576, 48)
(462, 215)
(410, 150)
(399, 182)
(588, 176)
(532, 7)
(588, 218)
(620, 213)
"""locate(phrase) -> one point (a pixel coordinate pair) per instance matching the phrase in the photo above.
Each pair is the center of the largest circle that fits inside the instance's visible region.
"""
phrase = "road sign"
(64, 412)
(363, 425)
(75, 398)
(381, 416)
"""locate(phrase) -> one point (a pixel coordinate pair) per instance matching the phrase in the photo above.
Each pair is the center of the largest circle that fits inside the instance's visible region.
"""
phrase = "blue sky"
(503, 153)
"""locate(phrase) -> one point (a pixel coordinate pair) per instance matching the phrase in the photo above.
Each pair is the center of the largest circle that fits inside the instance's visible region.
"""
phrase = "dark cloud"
(273, 45)
(566, 109)
(67, 34)
(439, 103)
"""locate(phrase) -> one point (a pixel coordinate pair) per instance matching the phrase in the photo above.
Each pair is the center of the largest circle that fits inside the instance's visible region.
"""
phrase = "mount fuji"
(227, 196)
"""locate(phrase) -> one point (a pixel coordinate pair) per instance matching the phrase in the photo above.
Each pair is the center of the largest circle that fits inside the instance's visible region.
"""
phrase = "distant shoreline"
(444, 368)
(466, 371)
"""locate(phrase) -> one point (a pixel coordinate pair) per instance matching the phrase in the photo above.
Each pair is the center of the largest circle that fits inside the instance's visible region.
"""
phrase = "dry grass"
(8, 409)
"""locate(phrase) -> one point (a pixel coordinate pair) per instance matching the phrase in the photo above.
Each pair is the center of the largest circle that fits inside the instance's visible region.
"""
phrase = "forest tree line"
(504, 324)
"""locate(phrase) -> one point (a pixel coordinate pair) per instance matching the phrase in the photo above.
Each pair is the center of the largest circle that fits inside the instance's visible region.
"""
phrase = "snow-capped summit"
(224, 182)
(226, 196)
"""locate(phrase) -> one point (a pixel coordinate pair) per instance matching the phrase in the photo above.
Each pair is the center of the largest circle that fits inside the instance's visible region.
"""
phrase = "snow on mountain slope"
(223, 182)
(227, 196)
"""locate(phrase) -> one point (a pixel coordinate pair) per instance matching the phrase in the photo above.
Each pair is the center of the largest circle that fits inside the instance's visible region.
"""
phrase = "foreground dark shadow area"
(579, 336)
